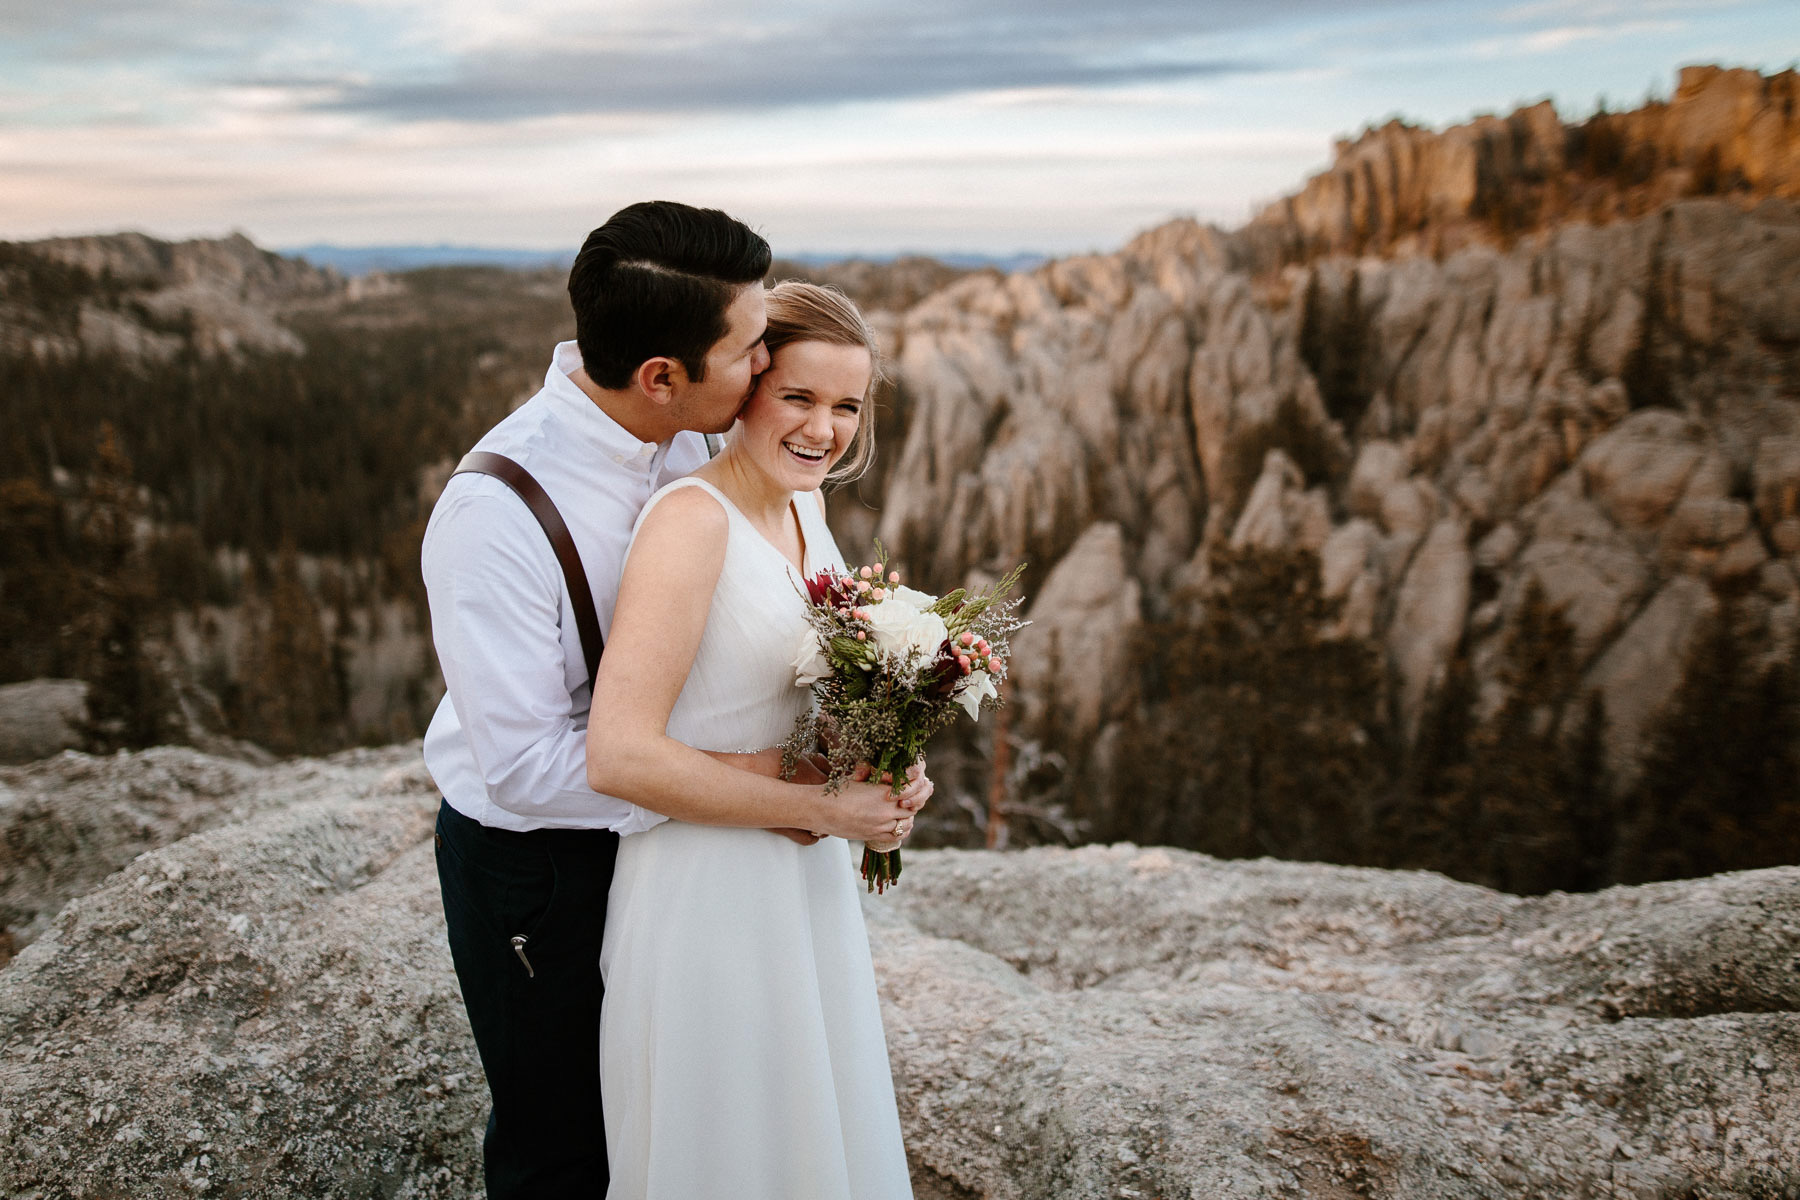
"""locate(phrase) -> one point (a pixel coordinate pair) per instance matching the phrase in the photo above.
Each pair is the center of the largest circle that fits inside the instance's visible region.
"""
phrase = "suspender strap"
(587, 620)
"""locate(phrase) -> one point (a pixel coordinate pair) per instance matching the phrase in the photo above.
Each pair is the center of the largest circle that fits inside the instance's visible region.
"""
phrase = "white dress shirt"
(507, 746)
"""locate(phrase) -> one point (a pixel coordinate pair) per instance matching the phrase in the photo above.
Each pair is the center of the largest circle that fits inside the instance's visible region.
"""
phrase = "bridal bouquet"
(889, 667)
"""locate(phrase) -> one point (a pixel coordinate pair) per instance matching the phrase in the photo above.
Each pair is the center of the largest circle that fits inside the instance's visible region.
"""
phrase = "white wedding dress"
(741, 1050)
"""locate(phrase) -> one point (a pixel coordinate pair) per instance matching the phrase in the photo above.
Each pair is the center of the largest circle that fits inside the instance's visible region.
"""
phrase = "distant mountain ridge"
(363, 260)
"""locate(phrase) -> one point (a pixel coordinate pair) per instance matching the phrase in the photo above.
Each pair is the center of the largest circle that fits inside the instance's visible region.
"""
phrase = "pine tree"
(1718, 789)
(1521, 831)
(1424, 826)
(39, 587)
(1593, 810)
(1333, 344)
(1258, 739)
(290, 700)
(129, 701)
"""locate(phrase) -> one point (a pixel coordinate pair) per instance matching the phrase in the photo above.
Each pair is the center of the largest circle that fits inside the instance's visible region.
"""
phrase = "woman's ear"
(659, 377)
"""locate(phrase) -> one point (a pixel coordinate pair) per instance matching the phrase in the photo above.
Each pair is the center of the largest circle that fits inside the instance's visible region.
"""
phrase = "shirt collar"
(591, 421)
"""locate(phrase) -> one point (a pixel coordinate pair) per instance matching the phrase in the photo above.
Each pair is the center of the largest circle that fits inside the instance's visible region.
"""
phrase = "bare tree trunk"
(996, 809)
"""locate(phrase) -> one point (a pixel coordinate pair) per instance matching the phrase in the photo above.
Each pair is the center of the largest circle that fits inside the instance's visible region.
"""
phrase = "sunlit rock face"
(1600, 401)
(247, 992)
(1400, 186)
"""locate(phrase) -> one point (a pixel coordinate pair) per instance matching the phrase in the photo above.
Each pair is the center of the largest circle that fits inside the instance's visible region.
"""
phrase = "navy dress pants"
(526, 913)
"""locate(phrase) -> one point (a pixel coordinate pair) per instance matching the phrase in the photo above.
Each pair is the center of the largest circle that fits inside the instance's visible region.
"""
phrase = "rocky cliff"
(259, 1003)
(145, 298)
(1723, 133)
(1605, 404)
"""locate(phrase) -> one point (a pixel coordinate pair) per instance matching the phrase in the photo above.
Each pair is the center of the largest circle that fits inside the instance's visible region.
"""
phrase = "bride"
(741, 1049)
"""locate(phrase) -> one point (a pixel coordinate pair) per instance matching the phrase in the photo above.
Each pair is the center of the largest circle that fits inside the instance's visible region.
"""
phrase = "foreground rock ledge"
(265, 1008)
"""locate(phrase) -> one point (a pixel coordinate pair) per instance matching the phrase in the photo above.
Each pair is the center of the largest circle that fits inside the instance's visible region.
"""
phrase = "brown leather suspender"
(581, 597)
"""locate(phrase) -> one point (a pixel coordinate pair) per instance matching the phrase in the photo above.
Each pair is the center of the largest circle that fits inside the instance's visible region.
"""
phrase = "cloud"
(712, 59)
(551, 84)
(128, 30)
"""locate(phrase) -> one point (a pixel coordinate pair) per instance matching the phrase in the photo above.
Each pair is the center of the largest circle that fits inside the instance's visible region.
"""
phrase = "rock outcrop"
(1114, 1020)
(1724, 132)
(40, 717)
(146, 299)
(266, 1008)
(1606, 408)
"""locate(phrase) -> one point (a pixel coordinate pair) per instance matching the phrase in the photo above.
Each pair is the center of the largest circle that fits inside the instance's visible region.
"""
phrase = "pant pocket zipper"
(518, 945)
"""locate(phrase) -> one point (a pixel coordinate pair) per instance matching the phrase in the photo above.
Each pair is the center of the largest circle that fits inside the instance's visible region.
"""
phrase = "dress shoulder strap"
(731, 511)
(821, 546)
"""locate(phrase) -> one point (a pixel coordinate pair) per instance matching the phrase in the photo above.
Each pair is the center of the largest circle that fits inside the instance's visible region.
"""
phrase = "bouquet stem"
(880, 868)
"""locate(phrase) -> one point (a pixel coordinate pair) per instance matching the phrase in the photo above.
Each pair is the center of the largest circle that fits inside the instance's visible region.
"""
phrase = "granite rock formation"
(40, 717)
(218, 295)
(1603, 401)
(265, 1008)
(1397, 186)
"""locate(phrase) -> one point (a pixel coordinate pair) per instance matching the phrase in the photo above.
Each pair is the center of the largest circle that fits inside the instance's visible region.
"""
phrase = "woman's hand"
(864, 811)
(894, 818)
(918, 787)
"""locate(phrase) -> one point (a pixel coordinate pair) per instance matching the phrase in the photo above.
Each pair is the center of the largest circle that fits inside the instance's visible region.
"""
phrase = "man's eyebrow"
(797, 389)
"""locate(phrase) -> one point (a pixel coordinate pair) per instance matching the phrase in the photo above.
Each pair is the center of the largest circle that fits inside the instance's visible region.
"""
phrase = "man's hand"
(810, 769)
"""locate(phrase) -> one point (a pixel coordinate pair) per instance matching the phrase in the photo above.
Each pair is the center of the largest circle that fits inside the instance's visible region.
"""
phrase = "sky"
(832, 126)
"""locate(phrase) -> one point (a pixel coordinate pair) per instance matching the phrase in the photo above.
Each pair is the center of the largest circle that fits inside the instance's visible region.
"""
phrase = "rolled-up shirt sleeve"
(497, 597)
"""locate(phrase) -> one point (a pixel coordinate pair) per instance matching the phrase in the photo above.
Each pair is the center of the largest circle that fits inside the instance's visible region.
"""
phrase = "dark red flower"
(944, 673)
(820, 587)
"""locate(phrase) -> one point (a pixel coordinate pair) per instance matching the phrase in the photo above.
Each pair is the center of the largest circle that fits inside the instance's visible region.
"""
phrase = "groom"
(669, 321)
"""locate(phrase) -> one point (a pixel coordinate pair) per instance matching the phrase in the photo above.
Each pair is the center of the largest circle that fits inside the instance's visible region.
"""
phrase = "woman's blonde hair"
(811, 312)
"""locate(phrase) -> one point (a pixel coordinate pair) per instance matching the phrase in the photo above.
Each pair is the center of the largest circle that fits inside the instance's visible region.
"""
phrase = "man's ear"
(658, 378)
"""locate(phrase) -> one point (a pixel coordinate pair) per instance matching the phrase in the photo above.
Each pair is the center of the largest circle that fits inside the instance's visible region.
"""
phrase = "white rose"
(975, 687)
(810, 663)
(899, 627)
(914, 598)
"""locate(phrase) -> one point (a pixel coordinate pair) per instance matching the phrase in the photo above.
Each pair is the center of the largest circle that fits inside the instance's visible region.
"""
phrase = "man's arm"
(495, 592)
(663, 605)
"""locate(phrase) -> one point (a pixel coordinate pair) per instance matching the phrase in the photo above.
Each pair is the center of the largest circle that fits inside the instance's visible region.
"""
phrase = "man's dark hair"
(655, 281)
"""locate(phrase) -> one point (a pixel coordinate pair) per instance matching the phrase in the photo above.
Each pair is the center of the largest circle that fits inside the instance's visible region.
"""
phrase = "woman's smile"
(806, 411)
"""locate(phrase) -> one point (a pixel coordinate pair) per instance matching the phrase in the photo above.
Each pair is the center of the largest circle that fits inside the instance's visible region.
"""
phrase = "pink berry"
(862, 635)
(878, 595)
(967, 639)
(993, 662)
(893, 577)
(878, 568)
(962, 660)
(983, 646)
(865, 572)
